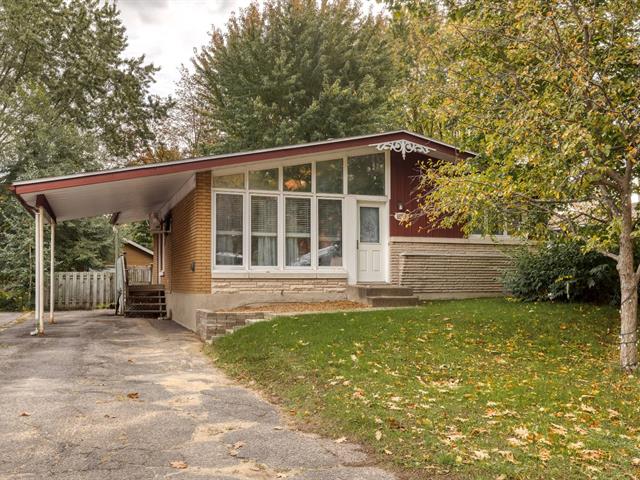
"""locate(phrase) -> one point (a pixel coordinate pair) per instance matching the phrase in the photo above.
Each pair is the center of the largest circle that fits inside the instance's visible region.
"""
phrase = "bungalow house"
(306, 222)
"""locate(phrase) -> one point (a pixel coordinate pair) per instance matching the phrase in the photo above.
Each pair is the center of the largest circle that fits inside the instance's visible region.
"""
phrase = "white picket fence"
(83, 290)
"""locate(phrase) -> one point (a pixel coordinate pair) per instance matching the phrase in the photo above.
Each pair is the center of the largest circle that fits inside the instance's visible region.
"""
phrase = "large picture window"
(289, 215)
(264, 231)
(297, 178)
(229, 225)
(298, 232)
(329, 176)
(366, 174)
(329, 233)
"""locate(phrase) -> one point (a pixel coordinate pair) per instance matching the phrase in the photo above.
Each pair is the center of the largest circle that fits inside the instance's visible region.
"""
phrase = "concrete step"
(387, 291)
(393, 301)
(251, 321)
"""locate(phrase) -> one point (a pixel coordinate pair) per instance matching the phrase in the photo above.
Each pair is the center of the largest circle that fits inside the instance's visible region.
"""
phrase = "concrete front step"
(393, 301)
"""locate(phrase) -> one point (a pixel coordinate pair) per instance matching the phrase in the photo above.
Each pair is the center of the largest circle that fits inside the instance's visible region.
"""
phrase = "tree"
(69, 102)
(294, 71)
(547, 93)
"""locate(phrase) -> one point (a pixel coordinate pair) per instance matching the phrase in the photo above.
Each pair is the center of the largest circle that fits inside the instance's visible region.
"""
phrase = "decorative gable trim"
(402, 146)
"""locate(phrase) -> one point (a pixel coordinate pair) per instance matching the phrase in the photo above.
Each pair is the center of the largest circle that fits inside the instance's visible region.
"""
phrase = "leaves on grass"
(514, 390)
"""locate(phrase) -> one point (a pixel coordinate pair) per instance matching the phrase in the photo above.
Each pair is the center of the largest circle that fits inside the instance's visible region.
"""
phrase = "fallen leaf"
(179, 464)
(378, 435)
(635, 462)
(591, 454)
(515, 442)
(521, 432)
(480, 454)
(544, 454)
(133, 395)
(25, 414)
(341, 440)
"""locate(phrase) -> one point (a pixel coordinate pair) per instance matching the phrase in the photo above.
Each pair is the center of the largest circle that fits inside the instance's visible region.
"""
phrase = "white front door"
(370, 246)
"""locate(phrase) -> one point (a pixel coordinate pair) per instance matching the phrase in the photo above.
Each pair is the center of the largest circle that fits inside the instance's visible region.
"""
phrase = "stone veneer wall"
(450, 268)
(279, 286)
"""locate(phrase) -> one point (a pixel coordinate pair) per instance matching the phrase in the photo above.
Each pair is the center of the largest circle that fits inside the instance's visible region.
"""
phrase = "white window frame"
(313, 159)
(214, 204)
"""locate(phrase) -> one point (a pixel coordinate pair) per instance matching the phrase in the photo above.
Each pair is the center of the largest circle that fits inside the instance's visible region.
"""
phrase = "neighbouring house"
(306, 222)
(137, 255)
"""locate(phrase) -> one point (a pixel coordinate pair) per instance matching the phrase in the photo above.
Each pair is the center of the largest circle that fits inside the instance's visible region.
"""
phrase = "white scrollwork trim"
(402, 146)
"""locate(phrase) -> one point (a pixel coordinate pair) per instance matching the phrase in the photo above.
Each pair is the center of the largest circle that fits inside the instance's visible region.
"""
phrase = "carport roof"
(133, 193)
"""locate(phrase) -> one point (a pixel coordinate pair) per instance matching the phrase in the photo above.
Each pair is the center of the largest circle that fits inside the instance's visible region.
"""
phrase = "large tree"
(547, 93)
(292, 71)
(69, 102)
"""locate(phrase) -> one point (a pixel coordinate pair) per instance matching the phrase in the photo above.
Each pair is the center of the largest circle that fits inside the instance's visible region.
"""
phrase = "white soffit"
(133, 199)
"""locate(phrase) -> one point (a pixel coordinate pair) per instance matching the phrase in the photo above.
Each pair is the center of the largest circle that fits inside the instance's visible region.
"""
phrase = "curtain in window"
(298, 232)
(264, 231)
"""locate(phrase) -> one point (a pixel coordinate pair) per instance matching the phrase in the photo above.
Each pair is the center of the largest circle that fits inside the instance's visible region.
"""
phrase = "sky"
(167, 31)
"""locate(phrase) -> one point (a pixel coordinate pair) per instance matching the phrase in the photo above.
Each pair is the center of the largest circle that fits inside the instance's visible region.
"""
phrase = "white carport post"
(52, 254)
(39, 270)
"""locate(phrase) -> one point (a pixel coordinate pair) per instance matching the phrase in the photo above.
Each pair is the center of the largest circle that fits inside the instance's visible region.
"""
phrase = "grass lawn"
(485, 388)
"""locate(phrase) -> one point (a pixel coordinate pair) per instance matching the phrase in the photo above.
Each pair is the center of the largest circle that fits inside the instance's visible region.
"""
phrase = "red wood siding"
(404, 174)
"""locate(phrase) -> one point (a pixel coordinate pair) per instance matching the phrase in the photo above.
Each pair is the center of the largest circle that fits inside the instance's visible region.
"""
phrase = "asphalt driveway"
(105, 397)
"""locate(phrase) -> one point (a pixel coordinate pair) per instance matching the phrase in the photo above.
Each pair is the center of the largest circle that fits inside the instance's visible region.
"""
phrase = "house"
(136, 254)
(304, 222)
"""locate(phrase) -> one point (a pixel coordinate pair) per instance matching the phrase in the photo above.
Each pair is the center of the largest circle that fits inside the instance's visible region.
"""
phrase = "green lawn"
(474, 388)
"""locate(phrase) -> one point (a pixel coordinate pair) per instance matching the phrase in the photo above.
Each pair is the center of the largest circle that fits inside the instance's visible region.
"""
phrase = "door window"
(369, 224)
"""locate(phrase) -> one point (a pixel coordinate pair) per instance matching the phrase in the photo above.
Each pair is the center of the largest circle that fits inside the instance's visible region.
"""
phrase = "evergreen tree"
(294, 71)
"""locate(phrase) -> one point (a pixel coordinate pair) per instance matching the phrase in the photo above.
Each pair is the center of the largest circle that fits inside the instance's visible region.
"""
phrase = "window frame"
(214, 225)
(281, 195)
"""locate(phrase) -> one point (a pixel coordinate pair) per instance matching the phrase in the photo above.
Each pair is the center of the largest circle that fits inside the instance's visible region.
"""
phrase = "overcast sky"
(166, 31)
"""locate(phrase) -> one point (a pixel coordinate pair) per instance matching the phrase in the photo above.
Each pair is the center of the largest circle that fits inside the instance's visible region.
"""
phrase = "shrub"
(12, 301)
(562, 271)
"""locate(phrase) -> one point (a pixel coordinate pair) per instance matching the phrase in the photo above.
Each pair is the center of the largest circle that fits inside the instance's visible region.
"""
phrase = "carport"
(127, 194)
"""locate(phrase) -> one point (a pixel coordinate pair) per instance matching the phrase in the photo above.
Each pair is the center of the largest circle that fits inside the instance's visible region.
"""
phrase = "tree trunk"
(629, 294)
(628, 322)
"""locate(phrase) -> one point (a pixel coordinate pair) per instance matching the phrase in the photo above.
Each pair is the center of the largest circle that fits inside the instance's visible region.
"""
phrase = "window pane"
(229, 181)
(298, 232)
(264, 231)
(297, 178)
(369, 224)
(264, 179)
(366, 174)
(329, 176)
(228, 210)
(329, 233)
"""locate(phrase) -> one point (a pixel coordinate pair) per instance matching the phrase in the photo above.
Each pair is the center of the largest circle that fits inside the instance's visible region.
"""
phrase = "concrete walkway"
(104, 397)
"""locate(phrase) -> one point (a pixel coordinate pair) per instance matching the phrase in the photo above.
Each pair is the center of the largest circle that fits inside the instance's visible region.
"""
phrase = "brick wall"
(450, 266)
(281, 286)
(190, 241)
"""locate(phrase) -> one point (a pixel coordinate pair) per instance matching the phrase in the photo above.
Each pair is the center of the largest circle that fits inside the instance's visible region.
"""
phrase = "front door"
(370, 267)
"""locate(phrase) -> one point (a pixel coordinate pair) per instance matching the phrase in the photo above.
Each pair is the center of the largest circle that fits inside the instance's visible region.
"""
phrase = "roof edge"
(29, 186)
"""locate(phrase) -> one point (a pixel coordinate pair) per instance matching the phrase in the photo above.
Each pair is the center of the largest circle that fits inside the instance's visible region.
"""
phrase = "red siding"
(404, 174)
